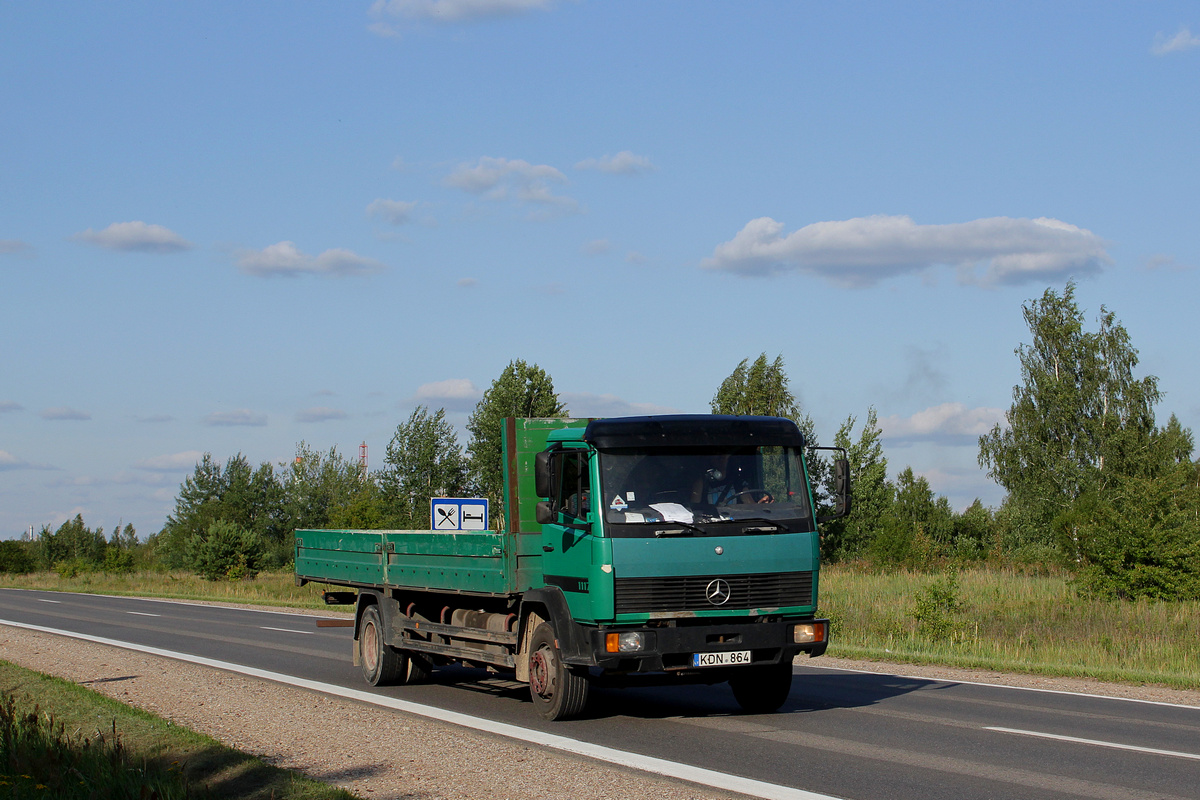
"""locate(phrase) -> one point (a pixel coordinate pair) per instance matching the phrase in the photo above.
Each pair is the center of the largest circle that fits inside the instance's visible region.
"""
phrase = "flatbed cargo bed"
(457, 562)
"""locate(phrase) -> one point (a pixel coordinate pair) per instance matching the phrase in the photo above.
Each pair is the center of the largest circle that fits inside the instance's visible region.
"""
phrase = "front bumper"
(670, 648)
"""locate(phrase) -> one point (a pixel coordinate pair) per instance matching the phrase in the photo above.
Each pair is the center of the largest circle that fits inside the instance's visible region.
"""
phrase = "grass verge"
(59, 740)
(1006, 621)
(266, 589)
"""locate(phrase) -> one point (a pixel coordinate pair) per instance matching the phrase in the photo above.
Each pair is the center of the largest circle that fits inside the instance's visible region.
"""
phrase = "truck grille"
(689, 592)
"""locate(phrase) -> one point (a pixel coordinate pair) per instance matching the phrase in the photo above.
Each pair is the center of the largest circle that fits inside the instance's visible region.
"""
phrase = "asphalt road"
(845, 734)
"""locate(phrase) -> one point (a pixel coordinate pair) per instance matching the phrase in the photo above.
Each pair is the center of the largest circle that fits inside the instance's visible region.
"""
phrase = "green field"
(1007, 621)
(985, 618)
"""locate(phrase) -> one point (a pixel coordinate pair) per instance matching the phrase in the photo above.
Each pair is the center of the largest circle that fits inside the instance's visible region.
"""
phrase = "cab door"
(567, 538)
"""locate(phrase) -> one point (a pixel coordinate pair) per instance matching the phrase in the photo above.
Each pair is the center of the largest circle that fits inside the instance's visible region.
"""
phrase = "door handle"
(547, 548)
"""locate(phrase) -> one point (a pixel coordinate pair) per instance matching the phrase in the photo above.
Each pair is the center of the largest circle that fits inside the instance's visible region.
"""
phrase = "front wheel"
(558, 690)
(761, 690)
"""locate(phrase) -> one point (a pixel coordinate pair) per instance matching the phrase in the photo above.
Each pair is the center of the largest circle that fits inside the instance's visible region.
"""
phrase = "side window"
(572, 497)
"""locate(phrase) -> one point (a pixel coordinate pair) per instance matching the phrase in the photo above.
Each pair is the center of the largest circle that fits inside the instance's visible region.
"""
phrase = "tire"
(381, 664)
(558, 691)
(762, 690)
(417, 668)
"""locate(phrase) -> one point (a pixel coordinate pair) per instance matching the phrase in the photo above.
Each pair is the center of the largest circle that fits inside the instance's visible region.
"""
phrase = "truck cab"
(685, 546)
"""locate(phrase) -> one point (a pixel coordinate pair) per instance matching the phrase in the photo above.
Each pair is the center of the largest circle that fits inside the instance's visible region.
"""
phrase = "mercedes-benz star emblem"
(717, 592)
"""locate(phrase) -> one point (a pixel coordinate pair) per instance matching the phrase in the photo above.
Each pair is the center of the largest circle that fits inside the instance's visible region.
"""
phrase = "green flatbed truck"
(668, 549)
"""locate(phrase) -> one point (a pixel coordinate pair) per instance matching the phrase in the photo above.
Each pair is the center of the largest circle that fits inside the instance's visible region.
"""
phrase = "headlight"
(628, 642)
(808, 632)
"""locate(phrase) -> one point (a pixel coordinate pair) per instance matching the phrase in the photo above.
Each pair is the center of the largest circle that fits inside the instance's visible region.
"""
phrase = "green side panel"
(523, 440)
(344, 557)
(473, 562)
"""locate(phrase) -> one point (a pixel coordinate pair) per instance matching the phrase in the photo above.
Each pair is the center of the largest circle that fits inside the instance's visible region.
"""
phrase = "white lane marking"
(143, 614)
(287, 630)
(43, 600)
(1005, 686)
(624, 758)
(282, 611)
(1098, 743)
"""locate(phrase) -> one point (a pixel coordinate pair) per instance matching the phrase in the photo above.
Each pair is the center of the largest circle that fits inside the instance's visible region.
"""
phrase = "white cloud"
(9, 405)
(466, 283)
(597, 247)
(455, 394)
(242, 416)
(285, 259)
(634, 257)
(1183, 40)
(319, 414)
(135, 237)
(1164, 261)
(863, 251)
(63, 412)
(507, 179)
(948, 423)
(455, 10)
(395, 212)
(623, 163)
(10, 462)
(587, 404)
(14, 246)
(173, 462)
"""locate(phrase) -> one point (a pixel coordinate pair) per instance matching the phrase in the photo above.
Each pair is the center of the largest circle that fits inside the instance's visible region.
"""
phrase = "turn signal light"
(808, 632)
(629, 642)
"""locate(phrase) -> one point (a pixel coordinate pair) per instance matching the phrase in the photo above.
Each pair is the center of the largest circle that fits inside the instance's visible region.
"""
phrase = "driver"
(728, 480)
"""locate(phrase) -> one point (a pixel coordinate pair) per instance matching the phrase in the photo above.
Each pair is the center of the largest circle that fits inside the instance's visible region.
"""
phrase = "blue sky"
(230, 227)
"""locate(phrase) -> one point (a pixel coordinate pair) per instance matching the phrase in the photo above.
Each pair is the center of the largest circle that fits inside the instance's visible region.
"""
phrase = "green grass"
(60, 741)
(1003, 620)
(1007, 621)
(268, 589)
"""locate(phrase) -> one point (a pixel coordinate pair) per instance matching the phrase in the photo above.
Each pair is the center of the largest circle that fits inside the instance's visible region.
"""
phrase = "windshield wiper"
(684, 529)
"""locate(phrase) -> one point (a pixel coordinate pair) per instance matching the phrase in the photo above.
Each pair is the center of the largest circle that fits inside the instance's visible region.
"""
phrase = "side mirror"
(842, 490)
(545, 512)
(541, 474)
(841, 486)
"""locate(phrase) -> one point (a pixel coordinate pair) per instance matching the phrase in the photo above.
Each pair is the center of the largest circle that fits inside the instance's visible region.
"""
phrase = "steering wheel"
(764, 496)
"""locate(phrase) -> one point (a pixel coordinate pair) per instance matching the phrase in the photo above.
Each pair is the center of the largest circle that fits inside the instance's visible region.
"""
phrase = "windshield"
(720, 491)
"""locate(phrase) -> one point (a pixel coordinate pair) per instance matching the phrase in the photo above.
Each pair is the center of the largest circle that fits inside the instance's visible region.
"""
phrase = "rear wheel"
(558, 690)
(381, 665)
(761, 690)
(417, 668)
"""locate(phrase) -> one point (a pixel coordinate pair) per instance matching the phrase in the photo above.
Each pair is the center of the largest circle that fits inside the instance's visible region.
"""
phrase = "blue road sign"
(458, 513)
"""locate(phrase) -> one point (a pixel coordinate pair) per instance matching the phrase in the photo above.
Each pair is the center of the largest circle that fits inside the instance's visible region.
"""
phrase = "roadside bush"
(118, 561)
(937, 608)
(227, 552)
(16, 558)
(74, 567)
(1141, 539)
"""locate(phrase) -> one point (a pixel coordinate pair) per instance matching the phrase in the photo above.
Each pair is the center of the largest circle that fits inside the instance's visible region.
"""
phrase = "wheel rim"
(370, 647)
(541, 673)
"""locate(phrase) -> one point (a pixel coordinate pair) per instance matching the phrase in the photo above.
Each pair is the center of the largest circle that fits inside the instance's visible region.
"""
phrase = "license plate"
(720, 659)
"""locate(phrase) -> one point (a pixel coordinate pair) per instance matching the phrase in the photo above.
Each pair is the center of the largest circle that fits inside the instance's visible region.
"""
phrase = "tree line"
(1094, 485)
